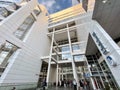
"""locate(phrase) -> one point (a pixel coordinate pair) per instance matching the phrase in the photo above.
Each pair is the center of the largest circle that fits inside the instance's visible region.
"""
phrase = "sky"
(56, 5)
(52, 5)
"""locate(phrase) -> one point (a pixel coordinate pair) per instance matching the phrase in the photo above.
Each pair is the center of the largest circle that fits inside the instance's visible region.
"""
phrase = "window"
(66, 56)
(77, 57)
(65, 48)
(24, 27)
(6, 51)
(75, 47)
(37, 10)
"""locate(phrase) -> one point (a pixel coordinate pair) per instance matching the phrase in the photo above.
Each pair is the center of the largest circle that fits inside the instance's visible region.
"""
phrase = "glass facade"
(101, 74)
(66, 56)
(23, 29)
(77, 57)
(75, 47)
(6, 51)
(65, 49)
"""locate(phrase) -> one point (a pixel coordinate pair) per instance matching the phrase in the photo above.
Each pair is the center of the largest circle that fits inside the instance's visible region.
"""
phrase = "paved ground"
(57, 88)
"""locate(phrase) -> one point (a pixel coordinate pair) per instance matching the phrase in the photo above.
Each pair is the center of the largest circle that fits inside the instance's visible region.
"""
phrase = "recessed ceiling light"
(104, 1)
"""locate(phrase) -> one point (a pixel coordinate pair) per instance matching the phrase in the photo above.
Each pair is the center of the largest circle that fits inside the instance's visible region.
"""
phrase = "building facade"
(75, 43)
(20, 45)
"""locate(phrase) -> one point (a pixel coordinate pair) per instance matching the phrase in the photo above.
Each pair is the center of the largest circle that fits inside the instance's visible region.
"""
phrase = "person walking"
(75, 84)
(81, 84)
(44, 84)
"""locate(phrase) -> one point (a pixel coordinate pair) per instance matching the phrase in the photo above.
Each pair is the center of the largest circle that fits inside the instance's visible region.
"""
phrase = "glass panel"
(65, 49)
(110, 82)
(7, 49)
(75, 47)
(3, 54)
(23, 29)
(66, 56)
(77, 57)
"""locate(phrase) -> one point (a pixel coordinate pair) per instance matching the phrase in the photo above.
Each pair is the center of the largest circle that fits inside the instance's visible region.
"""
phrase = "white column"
(62, 74)
(92, 81)
(50, 56)
(57, 75)
(73, 63)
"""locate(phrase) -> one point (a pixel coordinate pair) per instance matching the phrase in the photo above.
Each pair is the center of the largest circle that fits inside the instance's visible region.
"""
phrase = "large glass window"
(66, 56)
(25, 26)
(77, 57)
(110, 82)
(65, 48)
(75, 47)
(6, 51)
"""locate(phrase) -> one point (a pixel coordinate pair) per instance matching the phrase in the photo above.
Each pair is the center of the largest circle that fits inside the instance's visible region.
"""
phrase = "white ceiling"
(108, 15)
(64, 36)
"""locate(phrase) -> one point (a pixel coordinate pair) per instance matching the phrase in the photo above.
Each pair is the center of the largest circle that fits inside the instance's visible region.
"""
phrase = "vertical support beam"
(57, 75)
(92, 81)
(59, 71)
(98, 72)
(50, 57)
(73, 63)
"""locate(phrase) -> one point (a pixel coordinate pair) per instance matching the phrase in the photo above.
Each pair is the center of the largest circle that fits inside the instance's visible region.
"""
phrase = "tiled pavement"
(58, 88)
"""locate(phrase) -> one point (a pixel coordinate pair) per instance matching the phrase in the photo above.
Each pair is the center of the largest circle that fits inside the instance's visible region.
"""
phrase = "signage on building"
(111, 61)
(100, 44)
(104, 50)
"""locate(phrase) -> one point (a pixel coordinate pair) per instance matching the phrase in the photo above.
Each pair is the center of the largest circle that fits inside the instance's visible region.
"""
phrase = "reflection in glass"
(6, 50)
(77, 57)
(75, 47)
(65, 49)
(66, 56)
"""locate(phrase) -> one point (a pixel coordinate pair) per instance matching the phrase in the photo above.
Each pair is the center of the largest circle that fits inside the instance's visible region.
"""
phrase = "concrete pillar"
(72, 61)
(50, 57)
(57, 76)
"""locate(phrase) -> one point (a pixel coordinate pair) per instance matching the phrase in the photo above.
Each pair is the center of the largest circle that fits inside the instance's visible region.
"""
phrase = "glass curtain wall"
(101, 73)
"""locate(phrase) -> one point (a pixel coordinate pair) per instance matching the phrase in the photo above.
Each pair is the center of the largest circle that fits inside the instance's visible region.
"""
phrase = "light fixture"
(104, 1)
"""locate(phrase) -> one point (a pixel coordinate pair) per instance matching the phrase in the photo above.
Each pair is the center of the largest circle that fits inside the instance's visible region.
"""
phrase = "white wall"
(26, 62)
(83, 28)
(53, 74)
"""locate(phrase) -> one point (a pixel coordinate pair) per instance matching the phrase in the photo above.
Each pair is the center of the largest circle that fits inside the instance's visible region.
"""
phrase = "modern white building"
(80, 42)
